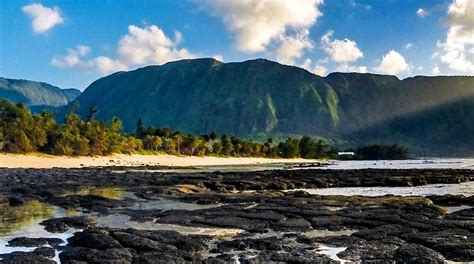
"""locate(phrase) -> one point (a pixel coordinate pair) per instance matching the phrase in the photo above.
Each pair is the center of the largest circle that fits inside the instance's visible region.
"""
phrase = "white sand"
(48, 161)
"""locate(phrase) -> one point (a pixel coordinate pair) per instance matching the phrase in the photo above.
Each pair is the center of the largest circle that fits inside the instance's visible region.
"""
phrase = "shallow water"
(428, 163)
(121, 221)
(24, 221)
(165, 205)
(424, 163)
(465, 188)
(326, 233)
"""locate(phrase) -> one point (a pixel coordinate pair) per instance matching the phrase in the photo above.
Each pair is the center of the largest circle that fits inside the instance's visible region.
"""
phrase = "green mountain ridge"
(35, 94)
(262, 97)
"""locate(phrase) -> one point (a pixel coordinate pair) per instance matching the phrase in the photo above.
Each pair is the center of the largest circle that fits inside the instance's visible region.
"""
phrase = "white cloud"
(435, 70)
(256, 25)
(458, 49)
(43, 18)
(345, 67)
(341, 51)
(409, 46)
(421, 12)
(141, 46)
(318, 69)
(150, 45)
(292, 48)
(392, 63)
(74, 60)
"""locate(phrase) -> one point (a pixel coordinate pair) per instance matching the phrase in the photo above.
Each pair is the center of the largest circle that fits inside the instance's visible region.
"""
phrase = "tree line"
(23, 132)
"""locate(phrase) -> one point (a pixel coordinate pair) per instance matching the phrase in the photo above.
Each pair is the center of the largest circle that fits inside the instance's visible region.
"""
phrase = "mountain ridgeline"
(431, 115)
(35, 94)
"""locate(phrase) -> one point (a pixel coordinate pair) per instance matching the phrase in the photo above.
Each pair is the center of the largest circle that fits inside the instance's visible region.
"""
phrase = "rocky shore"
(140, 216)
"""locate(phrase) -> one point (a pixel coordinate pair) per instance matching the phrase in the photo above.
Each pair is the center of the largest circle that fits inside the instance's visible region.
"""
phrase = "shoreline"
(44, 161)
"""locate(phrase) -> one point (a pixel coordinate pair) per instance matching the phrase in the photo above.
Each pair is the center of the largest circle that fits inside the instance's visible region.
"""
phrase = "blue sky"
(72, 43)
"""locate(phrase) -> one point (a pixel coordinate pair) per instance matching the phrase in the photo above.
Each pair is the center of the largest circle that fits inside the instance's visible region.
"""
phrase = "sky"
(71, 43)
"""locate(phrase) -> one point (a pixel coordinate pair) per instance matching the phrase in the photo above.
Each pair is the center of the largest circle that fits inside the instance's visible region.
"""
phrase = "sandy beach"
(49, 161)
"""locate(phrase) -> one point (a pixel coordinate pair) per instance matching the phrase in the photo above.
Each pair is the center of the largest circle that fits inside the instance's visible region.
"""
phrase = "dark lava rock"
(16, 201)
(26, 258)
(89, 255)
(451, 200)
(188, 243)
(61, 225)
(141, 243)
(269, 243)
(93, 239)
(371, 251)
(290, 256)
(454, 244)
(165, 258)
(414, 254)
(293, 224)
(45, 252)
(385, 231)
(34, 242)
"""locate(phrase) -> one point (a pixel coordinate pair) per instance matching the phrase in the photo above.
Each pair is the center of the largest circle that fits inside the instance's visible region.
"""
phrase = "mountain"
(33, 93)
(261, 97)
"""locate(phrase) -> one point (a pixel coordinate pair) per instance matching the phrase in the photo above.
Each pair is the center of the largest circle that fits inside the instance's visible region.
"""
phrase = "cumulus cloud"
(74, 59)
(293, 47)
(256, 25)
(141, 46)
(317, 69)
(345, 67)
(320, 70)
(340, 50)
(421, 12)
(393, 63)
(150, 45)
(435, 70)
(43, 18)
(458, 49)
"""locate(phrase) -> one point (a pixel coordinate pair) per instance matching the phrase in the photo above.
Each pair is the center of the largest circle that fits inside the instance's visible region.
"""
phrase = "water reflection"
(23, 221)
(465, 188)
(110, 193)
(15, 217)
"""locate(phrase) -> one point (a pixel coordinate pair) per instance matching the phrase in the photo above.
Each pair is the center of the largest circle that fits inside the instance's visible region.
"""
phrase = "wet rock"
(93, 239)
(454, 244)
(26, 257)
(270, 243)
(91, 202)
(61, 225)
(385, 231)
(371, 251)
(16, 200)
(234, 222)
(90, 255)
(451, 200)
(291, 256)
(414, 254)
(45, 252)
(294, 224)
(141, 243)
(165, 257)
(34, 242)
(189, 243)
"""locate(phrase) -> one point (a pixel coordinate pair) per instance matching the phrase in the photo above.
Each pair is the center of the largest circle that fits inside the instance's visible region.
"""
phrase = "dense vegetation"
(21, 132)
(261, 98)
(379, 152)
(33, 93)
